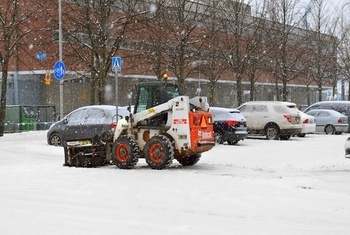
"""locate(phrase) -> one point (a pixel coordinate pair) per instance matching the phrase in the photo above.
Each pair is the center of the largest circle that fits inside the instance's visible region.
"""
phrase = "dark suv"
(229, 125)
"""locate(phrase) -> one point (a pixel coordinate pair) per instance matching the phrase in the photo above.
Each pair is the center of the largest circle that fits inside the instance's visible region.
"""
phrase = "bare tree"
(177, 37)
(94, 32)
(154, 43)
(239, 28)
(344, 62)
(256, 48)
(322, 47)
(284, 39)
(14, 27)
(211, 62)
(344, 49)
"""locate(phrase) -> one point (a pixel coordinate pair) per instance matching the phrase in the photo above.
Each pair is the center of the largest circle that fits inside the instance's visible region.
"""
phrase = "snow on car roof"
(224, 109)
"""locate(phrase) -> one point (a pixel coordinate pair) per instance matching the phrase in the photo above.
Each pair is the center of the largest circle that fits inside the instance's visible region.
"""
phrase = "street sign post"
(116, 67)
(116, 64)
(59, 70)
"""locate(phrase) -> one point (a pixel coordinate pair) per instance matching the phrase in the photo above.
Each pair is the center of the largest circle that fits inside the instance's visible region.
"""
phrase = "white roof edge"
(33, 72)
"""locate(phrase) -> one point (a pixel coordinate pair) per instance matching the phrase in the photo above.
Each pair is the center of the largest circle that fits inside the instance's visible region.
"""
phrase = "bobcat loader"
(163, 126)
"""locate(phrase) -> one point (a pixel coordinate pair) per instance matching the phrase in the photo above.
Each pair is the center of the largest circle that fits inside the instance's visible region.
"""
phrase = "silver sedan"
(329, 121)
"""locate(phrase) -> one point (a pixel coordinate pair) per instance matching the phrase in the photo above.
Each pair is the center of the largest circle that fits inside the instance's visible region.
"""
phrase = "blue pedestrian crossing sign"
(59, 70)
(116, 64)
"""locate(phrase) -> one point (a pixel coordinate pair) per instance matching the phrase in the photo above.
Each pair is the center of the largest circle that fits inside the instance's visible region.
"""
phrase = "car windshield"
(95, 116)
(312, 113)
(76, 116)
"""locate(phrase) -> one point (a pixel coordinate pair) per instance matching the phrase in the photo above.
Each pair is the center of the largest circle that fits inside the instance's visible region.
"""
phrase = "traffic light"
(165, 76)
(47, 78)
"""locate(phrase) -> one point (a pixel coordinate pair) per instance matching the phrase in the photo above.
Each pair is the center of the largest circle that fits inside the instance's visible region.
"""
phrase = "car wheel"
(272, 132)
(285, 137)
(301, 135)
(329, 129)
(218, 138)
(232, 142)
(55, 139)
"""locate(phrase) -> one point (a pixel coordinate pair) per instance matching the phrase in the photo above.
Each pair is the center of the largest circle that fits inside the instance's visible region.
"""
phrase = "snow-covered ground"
(299, 186)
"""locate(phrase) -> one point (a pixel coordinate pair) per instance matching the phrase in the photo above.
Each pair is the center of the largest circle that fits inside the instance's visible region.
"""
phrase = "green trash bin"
(28, 119)
(12, 119)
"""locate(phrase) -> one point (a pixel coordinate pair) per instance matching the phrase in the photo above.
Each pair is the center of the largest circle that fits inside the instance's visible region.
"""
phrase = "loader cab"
(152, 94)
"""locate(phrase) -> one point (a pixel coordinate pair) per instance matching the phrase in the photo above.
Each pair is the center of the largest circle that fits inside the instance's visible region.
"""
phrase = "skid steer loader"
(163, 126)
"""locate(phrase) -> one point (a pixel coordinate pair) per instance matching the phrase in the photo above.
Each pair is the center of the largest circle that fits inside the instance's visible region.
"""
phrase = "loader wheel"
(159, 152)
(126, 152)
(190, 160)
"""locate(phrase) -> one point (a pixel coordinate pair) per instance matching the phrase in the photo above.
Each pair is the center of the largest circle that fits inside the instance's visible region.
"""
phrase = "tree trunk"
(284, 90)
(93, 89)
(3, 101)
(349, 90)
(308, 94)
(101, 90)
(239, 89)
(319, 92)
(252, 90)
(277, 90)
(212, 96)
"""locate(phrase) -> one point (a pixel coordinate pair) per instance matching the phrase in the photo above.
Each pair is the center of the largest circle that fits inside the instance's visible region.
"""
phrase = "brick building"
(38, 51)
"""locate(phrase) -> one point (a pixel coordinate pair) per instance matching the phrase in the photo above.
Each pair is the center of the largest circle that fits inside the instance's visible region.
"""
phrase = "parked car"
(84, 123)
(347, 148)
(308, 124)
(273, 119)
(342, 107)
(229, 125)
(329, 121)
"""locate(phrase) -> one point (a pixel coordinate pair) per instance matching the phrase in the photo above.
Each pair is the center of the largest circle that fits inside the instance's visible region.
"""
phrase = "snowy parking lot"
(299, 186)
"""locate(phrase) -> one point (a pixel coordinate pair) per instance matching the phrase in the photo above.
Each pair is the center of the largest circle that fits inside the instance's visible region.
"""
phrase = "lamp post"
(60, 53)
(342, 48)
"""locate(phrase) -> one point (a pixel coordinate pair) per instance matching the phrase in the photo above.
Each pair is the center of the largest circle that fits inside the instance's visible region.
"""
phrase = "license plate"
(79, 143)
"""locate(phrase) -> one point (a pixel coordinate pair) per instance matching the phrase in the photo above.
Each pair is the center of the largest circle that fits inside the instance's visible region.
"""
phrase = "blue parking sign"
(116, 64)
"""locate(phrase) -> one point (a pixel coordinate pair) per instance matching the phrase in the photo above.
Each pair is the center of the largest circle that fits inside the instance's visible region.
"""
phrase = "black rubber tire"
(218, 138)
(301, 135)
(272, 132)
(329, 130)
(285, 137)
(55, 139)
(190, 160)
(126, 152)
(232, 142)
(159, 152)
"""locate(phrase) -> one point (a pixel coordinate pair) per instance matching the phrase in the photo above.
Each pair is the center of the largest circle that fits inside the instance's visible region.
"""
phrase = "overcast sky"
(337, 4)
(335, 8)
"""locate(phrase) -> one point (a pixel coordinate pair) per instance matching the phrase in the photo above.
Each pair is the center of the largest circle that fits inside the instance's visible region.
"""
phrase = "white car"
(308, 124)
(273, 119)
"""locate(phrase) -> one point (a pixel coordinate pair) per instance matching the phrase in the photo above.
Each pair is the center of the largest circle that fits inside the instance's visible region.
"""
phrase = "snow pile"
(299, 186)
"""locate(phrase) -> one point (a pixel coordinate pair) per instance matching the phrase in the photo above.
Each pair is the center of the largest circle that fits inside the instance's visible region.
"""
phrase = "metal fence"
(27, 118)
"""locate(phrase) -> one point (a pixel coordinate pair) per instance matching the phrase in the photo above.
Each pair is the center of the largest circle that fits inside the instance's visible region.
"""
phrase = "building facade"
(36, 55)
